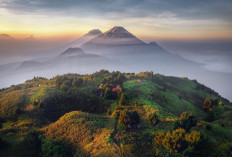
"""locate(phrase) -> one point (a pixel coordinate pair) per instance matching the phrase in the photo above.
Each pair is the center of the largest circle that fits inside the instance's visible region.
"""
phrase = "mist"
(91, 53)
(214, 55)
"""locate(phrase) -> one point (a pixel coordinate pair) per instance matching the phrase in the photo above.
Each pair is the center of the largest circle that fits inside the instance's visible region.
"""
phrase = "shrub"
(177, 141)
(52, 148)
(108, 93)
(217, 111)
(186, 121)
(153, 119)
(129, 118)
(124, 99)
(207, 105)
(124, 118)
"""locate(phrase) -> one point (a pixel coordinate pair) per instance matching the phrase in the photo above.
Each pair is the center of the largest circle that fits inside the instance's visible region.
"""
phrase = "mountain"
(118, 43)
(29, 65)
(85, 38)
(116, 49)
(73, 52)
(94, 32)
(5, 37)
(151, 56)
(114, 37)
(30, 38)
(70, 116)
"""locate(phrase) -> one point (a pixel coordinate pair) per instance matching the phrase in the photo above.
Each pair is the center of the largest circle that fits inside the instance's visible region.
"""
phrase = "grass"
(85, 130)
(165, 96)
(7, 124)
(169, 101)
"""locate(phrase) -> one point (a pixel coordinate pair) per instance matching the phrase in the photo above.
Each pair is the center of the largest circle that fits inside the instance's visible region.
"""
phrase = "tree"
(183, 116)
(217, 111)
(153, 120)
(108, 93)
(177, 141)
(77, 82)
(119, 93)
(207, 105)
(186, 121)
(17, 111)
(135, 118)
(52, 148)
(66, 85)
(129, 118)
(192, 138)
(124, 99)
(214, 102)
(159, 137)
(124, 118)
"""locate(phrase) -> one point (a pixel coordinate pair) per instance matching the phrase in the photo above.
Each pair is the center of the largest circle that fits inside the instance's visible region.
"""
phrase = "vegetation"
(114, 114)
(186, 121)
(177, 141)
(153, 120)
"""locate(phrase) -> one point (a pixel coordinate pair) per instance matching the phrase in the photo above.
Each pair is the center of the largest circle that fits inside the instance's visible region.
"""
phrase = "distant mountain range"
(85, 38)
(73, 52)
(8, 37)
(115, 49)
(116, 36)
(117, 42)
(5, 37)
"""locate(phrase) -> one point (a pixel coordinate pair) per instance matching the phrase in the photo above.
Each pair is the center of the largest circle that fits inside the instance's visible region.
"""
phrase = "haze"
(39, 31)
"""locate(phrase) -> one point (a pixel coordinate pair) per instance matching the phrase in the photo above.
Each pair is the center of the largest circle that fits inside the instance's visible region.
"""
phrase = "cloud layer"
(191, 9)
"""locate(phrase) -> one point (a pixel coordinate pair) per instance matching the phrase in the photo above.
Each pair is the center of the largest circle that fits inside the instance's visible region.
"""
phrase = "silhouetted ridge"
(5, 37)
(117, 32)
(115, 36)
(73, 52)
(94, 32)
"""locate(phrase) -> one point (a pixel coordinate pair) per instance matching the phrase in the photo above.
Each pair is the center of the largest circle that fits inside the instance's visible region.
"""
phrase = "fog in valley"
(116, 50)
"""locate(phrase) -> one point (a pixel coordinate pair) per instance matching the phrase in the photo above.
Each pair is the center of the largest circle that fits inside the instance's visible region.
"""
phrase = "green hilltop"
(114, 114)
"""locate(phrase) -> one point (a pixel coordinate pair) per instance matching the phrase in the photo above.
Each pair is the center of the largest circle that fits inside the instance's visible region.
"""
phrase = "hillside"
(85, 131)
(114, 114)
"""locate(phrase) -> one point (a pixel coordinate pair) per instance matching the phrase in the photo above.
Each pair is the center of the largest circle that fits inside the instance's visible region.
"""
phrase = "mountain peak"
(153, 43)
(117, 32)
(85, 38)
(116, 36)
(118, 29)
(95, 32)
(5, 36)
(31, 37)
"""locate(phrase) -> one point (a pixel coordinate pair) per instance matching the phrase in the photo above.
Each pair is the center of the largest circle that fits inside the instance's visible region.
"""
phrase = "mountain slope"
(114, 37)
(85, 38)
(160, 91)
(72, 52)
(5, 37)
(116, 49)
(71, 115)
(121, 44)
(87, 132)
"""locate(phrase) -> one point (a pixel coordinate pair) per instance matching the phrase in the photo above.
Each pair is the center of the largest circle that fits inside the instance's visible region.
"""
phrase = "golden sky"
(55, 19)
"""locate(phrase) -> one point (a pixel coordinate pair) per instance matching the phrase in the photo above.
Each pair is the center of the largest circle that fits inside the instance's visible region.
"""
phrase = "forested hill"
(114, 114)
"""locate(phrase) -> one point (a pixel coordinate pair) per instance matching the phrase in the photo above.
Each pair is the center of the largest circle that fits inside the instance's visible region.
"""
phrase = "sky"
(148, 19)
